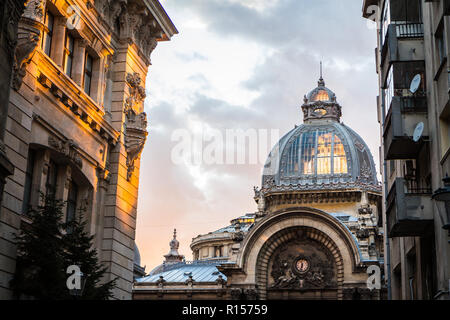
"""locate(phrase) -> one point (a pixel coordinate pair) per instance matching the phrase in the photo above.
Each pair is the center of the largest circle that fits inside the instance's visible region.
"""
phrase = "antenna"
(321, 70)
(321, 83)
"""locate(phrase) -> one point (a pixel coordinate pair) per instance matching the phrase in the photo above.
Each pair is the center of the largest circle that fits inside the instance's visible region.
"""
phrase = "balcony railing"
(408, 30)
(395, 33)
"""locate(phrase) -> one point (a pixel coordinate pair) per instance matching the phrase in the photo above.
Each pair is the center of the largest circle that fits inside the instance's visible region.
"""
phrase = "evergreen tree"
(46, 247)
(40, 266)
(78, 251)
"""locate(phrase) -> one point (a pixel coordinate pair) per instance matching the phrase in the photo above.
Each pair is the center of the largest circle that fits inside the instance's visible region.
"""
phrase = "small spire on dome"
(321, 82)
(174, 255)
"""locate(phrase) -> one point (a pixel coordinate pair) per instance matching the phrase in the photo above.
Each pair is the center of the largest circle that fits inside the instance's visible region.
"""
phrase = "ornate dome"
(322, 153)
(137, 255)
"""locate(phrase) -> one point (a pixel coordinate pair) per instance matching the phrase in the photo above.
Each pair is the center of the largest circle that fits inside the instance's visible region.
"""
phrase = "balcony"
(403, 116)
(403, 42)
(409, 209)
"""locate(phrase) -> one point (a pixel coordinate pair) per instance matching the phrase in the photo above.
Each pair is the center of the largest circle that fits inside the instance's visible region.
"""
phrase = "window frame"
(87, 73)
(69, 48)
(47, 38)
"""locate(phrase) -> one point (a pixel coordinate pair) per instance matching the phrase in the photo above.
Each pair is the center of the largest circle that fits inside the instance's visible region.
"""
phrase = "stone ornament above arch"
(270, 274)
(297, 217)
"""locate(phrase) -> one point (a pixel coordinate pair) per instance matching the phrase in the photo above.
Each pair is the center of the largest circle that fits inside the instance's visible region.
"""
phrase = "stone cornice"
(163, 19)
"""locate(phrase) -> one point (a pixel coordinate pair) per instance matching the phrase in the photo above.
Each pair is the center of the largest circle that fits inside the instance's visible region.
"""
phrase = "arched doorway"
(299, 263)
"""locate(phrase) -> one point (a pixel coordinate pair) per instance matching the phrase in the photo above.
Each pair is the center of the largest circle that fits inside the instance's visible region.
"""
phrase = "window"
(440, 44)
(72, 202)
(52, 175)
(389, 90)
(340, 159)
(385, 21)
(308, 152)
(321, 95)
(68, 54)
(324, 153)
(88, 74)
(48, 33)
(28, 182)
(292, 160)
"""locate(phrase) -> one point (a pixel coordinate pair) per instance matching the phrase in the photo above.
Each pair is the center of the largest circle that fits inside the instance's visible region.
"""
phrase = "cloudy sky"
(242, 64)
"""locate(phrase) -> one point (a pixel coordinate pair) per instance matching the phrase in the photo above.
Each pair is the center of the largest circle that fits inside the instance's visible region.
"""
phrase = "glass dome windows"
(321, 95)
(340, 159)
(318, 152)
(308, 152)
(324, 145)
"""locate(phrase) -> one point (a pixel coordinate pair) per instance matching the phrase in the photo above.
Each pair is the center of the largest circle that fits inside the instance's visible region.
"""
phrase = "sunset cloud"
(242, 65)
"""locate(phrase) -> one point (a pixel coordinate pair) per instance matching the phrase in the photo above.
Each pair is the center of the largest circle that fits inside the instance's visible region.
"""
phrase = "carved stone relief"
(66, 148)
(136, 123)
(302, 264)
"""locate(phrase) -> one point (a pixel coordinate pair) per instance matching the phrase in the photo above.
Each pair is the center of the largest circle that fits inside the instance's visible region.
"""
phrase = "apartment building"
(413, 38)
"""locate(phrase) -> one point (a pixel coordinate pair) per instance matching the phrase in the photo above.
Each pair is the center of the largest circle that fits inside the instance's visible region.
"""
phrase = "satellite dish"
(418, 131)
(415, 83)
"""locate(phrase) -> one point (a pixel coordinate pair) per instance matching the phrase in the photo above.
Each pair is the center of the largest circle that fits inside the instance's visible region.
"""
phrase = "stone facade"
(76, 124)
(413, 39)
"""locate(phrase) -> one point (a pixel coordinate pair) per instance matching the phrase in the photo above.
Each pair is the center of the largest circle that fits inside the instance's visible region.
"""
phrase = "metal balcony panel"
(403, 116)
(409, 211)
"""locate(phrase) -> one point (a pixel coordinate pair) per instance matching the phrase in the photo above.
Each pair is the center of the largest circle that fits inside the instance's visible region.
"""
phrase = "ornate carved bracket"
(27, 40)
(136, 123)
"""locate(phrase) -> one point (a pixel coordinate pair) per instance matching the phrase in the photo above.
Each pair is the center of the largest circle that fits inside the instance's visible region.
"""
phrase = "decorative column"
(58, 43)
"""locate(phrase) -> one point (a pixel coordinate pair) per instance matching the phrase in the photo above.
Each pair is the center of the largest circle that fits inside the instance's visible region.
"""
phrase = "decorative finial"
(321, 82)
(174, 233)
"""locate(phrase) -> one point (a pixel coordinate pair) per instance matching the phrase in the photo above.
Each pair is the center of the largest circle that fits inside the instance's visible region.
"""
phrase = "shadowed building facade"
(316, 231)
(75, 123)
(413, 39)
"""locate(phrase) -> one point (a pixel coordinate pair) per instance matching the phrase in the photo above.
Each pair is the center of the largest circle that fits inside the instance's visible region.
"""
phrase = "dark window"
(48, 33)
(28, 182)
(68, 54)
(72, 202)
(440, 45)
(88, 74)
(52, 176)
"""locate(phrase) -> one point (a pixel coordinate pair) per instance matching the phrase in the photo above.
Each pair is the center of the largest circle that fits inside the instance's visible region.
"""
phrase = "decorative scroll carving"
(66, 148)
(34, 10)
(136, 123)
(28, 38)
(131, 21)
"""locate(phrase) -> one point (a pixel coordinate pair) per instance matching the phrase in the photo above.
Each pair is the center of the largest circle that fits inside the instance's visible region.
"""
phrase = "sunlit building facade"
(317, 229)
(412, 48)
(75, 124)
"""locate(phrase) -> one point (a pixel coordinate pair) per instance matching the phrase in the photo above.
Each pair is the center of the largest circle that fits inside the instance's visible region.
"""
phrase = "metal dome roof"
(320, 154)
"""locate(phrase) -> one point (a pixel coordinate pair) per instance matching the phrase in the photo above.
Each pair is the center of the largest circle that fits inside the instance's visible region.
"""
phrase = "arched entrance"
(299, 263)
